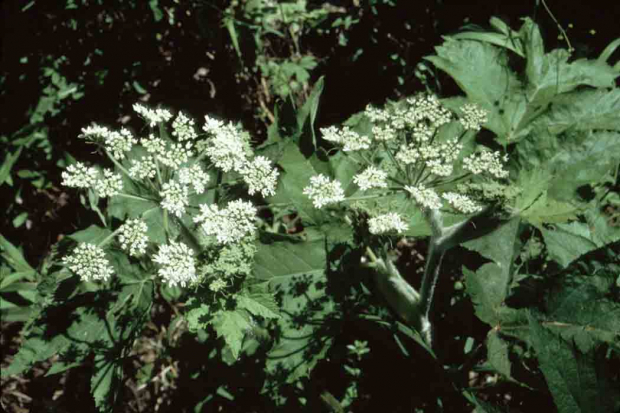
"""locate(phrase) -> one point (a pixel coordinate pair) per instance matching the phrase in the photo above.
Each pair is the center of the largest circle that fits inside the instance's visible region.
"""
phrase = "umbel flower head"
(230, 224)
(387, 223)
(89, 262)
(175, 198)
(133, 237)
(372, 177)
(177, 265)
(152, 116)
(117, 143)
(227, 147)
(260, 176)
(322, 191)
(79, 176)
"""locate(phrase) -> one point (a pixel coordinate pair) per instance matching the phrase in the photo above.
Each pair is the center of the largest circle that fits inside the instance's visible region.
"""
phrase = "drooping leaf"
(232, 326)
(498, 353)
(577, 381)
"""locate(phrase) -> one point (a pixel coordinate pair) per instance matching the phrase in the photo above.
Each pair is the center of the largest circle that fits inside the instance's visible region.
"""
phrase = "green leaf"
(258, 305)
(500, 246)
(498, 353)
(7, 165)
(549, 211)
(306, 117)
(297, 173)
(15, 259)
(577, 381)
(232, 326)
(296, 275)
(93, 235)
(482, 72)
(567, 242)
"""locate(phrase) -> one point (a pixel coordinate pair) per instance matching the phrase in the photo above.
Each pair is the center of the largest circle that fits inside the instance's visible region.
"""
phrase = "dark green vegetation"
(540, 332)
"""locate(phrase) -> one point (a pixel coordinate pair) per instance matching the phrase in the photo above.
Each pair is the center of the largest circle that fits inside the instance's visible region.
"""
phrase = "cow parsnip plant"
(196, 216)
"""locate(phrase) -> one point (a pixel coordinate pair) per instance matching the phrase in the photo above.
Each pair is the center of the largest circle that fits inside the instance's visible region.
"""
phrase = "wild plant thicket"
(276, 249)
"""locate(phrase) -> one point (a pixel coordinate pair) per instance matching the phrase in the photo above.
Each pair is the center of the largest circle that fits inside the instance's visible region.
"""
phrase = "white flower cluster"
(351, 140)
(440, 158)
(260, 176)
(177, 264)
(217, 285)
(384, 132)
(461, 202)
(372, 177)
(133, 237)
(110, 185)
(486, 161)
(79, 176)
(171, 154)
(322, 191)
(227, 147)
(194, 176)
(89, 262)
(144, 168)
(117, 143)
(473, 117)
(376, 114)
(425, 197)
(230, 224)
(183, 128)
(427, 107)
(175, 198)
(152, 116)
(387, 223)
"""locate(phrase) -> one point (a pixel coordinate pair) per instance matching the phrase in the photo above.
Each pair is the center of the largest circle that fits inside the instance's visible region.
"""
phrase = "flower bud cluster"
(153, 117)
(425, 197)
(473, 117)
(227, 147)
(260, 176)
(372, 177)
(322, 191)
(89, 262)
(230, 224)
(194, 176)
(351, 140)
(461, 202)
(117, 143)
(110, 185)
(486, 162)
(175, 198)
(387, 223)
(133, 237)
(177, 264)
(79, 176)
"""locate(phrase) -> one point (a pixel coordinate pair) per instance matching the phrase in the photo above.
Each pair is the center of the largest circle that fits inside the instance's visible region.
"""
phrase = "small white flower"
(117, 143)
(461, 202)
(351, 140)
(387, 223)
(217, 285)
(486, 161)
(228, 147)
(80, 176)
(194, 176)
(425, 197)
(408, 154)
(110, 185)
(473, 117)
(230, 224)
(89, 262)
(427, 107)
(175, 198)
(376, 115)
(152, 116)
(183, 128)
(144, 168)
(383, 133)
(322, 191)
(177, 264)
(133, 237)
(176, 154)
(260, 176)
(372, 177)
(154, 145)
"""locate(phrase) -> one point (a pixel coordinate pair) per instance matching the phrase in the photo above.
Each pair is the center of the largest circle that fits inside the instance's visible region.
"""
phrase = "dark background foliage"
(67, 64)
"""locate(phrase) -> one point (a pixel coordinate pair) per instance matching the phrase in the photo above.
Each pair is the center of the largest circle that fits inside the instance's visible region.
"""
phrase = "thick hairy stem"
(429, 282)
